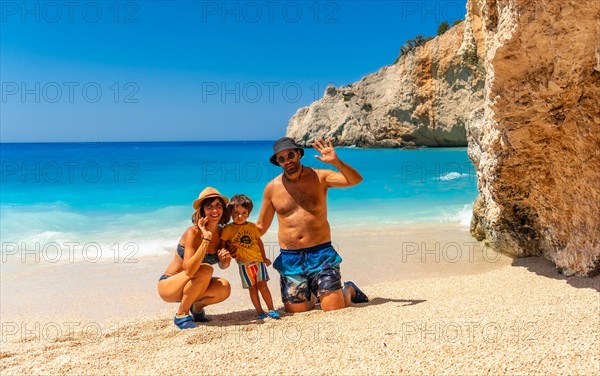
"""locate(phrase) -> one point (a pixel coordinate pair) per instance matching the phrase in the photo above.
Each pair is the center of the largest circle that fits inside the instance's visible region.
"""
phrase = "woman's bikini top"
(180, 250)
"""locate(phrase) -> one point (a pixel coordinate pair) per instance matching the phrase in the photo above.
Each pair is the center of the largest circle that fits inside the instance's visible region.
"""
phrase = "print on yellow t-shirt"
(245, 238)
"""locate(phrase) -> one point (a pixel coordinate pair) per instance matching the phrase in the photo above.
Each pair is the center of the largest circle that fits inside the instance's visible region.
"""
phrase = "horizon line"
(126, 141)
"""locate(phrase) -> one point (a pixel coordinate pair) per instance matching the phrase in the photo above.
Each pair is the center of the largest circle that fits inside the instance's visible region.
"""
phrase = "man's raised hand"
(328, 154)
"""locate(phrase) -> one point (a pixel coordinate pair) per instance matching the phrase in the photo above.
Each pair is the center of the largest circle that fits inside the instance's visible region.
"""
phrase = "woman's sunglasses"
(291, 155)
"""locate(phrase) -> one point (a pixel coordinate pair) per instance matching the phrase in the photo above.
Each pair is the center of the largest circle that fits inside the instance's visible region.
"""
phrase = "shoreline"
(117, 289)
(124, 250)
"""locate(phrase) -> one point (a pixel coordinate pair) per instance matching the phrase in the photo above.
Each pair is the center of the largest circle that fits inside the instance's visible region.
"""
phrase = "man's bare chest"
(298, 197)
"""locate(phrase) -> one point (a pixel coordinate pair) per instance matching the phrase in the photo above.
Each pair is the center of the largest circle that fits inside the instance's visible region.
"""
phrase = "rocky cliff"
(519, 78)
(425, 98)
(536, 140)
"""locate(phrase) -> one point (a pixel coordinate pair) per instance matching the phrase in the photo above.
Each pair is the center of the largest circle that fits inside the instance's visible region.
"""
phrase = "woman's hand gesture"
(202, 227)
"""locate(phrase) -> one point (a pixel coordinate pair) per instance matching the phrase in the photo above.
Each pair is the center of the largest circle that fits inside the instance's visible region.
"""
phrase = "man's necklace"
(295, 180)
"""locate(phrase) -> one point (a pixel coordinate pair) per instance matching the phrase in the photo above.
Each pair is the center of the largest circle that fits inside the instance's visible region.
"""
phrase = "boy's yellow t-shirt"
(245, 237)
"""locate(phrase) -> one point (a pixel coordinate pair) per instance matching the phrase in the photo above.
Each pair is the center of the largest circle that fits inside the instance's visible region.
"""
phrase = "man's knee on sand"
(298, 307)
(332, 300)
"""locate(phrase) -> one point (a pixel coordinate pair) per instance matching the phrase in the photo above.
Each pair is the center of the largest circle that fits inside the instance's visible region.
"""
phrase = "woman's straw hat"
(208, 192)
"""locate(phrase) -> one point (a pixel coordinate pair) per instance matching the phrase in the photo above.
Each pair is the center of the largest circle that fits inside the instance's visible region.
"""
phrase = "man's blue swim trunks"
(308, 270)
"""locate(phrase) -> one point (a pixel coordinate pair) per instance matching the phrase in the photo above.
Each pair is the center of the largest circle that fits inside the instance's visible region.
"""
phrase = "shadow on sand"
(248, 316)
(405, 302)
(245, 317)
(544, 267)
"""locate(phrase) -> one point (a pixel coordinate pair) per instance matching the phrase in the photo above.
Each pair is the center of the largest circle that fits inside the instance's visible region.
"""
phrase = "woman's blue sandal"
(185, 322)
(274, 315)
(359, 296)
(200, 316)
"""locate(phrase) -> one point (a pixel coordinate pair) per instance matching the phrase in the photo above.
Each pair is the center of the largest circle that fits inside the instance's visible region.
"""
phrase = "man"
(308, 264)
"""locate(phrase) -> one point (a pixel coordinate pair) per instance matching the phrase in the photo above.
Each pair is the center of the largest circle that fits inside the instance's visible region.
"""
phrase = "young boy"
(250, 254)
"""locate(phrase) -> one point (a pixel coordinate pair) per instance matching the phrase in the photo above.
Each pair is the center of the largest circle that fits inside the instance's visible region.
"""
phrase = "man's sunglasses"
(291, 155)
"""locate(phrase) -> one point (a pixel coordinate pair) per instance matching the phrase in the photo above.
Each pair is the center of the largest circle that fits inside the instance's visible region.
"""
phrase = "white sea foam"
(461, 215)
(465, 215)
(58, 248)
(58, 234)
(452, 176)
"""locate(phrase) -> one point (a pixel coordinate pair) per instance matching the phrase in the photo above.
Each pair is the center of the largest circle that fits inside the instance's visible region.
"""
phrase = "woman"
(188, 278)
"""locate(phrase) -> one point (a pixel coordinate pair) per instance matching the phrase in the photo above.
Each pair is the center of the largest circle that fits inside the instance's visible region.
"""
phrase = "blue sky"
(189, 70)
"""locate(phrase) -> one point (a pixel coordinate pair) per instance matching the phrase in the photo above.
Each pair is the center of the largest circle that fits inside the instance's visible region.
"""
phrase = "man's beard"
(292, 169)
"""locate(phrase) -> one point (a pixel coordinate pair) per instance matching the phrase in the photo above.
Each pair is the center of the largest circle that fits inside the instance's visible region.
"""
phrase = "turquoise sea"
(141, 193)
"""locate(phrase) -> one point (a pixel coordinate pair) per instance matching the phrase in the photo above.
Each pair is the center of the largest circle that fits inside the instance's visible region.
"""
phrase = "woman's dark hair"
(241, 200)
(200, 212)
